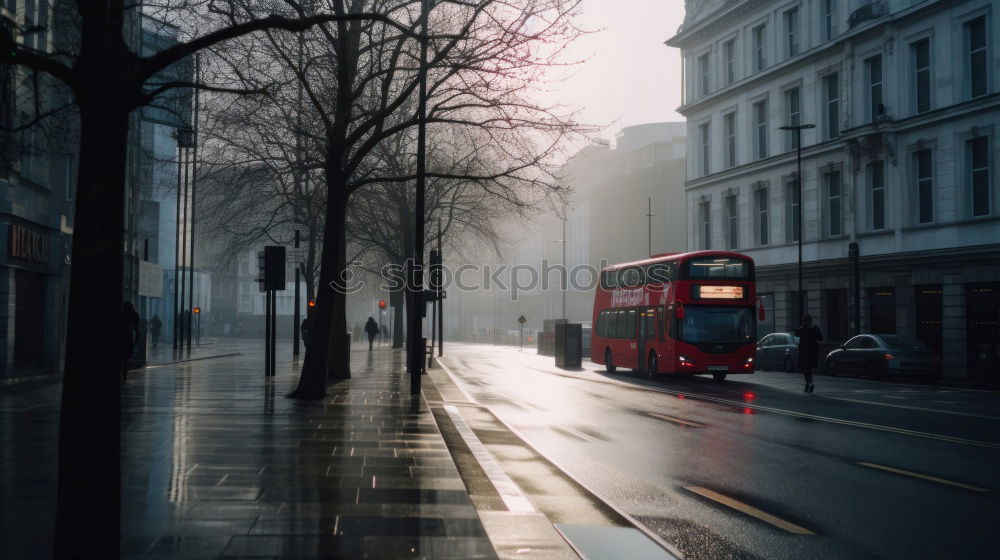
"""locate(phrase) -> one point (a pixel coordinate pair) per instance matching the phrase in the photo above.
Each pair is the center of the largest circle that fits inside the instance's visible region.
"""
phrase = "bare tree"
(361, 80)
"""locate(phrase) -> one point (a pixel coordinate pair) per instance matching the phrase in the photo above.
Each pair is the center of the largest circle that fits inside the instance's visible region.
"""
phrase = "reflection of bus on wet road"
(681, 313)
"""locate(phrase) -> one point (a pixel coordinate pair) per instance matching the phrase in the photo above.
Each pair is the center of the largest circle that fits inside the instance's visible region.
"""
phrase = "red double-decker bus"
(683, 313)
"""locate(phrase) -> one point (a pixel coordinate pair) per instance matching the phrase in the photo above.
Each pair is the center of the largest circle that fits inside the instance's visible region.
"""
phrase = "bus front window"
(704, 324)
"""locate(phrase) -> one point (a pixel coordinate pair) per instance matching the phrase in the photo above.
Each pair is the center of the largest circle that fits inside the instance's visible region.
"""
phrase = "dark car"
(777, 351)
(881, 355)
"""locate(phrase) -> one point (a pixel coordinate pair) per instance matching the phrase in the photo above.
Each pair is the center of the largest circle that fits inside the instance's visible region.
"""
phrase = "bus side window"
(650, 316)
(620, 323)
(630, 326)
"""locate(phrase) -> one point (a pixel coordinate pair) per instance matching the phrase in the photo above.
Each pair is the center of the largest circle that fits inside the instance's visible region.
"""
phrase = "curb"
(635, 523)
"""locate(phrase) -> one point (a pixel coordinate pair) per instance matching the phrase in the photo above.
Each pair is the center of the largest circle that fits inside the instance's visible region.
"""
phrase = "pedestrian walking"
(155, 326)
(809, 337)
(305, 328)
(371, 327)
(130, 333)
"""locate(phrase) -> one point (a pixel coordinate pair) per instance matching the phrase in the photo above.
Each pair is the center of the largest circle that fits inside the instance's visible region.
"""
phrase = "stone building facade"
(905, 99)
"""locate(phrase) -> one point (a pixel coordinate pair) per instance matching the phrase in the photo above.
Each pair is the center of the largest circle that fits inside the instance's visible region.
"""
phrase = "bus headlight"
(684, 361)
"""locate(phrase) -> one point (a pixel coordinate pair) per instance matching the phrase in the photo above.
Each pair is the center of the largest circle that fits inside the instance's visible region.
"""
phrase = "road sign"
(522, 320)
(274, 267)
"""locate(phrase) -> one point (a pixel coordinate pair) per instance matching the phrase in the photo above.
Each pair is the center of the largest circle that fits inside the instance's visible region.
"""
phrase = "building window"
(792, 207)
(831, 88)
(833, 205)
(763, 223)
(975, 32)
(729, 57)
(759, 47)
(732, 222)
(706, 224)
(793, 117)
(829, 17)
(704, 72)
(921, 51)
(729, 124)
(706, 149)
(760, 129)
(876, 188)
(925, 186)
(979, 173)
(873, 69)
(792, 32)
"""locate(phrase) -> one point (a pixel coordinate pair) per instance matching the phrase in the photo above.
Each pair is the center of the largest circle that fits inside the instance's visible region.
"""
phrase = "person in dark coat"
(130, 332)
(305, 328)
(155, 326)
(371, 328)
(809, 337)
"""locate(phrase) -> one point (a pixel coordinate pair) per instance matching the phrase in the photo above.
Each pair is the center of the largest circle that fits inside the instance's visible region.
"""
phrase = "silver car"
(778, 351)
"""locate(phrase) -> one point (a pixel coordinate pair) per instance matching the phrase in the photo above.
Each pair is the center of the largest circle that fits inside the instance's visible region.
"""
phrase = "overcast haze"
(631, 76)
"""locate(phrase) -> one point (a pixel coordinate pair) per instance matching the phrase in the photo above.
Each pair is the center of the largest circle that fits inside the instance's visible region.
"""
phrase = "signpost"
(271, 270)
(520, 325)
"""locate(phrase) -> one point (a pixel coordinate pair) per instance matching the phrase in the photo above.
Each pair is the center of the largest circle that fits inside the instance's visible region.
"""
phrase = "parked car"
(881, 355)
(777, 351)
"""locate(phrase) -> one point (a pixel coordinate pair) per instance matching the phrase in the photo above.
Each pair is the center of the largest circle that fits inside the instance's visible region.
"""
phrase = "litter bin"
(569, 345)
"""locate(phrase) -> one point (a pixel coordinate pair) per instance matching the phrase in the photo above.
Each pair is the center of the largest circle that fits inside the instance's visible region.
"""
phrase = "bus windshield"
(718, 268)
(716, 324)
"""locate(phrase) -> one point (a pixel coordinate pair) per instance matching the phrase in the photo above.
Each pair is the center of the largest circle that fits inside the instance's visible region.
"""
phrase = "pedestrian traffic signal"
(381, 304)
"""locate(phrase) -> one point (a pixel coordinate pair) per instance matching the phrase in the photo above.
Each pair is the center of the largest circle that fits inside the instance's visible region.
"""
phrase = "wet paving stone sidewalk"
(218, 463)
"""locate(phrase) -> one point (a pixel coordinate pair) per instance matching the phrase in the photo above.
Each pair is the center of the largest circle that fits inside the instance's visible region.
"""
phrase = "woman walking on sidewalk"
(809, 337)
(372, 329)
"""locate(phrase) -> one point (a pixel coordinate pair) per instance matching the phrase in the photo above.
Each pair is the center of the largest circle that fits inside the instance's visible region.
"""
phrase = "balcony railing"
(872, 10)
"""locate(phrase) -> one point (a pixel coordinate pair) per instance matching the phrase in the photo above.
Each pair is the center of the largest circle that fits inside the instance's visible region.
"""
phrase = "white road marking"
(749, 510)
(923, 476)
(911, 407)
(509, 491)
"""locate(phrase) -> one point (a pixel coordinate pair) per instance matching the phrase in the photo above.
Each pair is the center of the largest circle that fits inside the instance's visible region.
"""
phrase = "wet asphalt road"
(755, 468)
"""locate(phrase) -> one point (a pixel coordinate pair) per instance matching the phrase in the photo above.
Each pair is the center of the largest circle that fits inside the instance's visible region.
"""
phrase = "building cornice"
(908, 259)
(695, 30)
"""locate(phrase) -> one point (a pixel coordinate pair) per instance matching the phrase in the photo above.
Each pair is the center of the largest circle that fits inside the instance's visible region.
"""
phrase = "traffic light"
(312, 303)
(381, 304)
(197, 311)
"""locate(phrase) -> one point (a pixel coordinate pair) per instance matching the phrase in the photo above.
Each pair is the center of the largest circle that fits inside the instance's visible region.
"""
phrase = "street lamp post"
(649, 228)
(564, 271)
(798, 193)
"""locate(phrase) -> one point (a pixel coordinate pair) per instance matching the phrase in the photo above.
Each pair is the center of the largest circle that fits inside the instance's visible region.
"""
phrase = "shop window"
(882, 310)
(835, 313)
(929, 307)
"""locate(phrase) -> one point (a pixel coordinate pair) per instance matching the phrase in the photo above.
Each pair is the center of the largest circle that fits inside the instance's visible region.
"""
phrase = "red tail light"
(748, 396)
(889, 357)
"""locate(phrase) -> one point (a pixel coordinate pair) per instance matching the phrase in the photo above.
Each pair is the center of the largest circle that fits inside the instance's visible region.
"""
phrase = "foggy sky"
(631, 77)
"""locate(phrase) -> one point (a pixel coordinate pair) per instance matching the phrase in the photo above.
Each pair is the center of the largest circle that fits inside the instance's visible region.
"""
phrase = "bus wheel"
(608, 363)
(719, 377)
(651, 368)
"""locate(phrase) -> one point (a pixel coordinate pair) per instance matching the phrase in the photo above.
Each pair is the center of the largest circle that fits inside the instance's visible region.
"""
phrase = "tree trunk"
(312, 380)
(340, 341)
(87, 510)
(398, 340)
